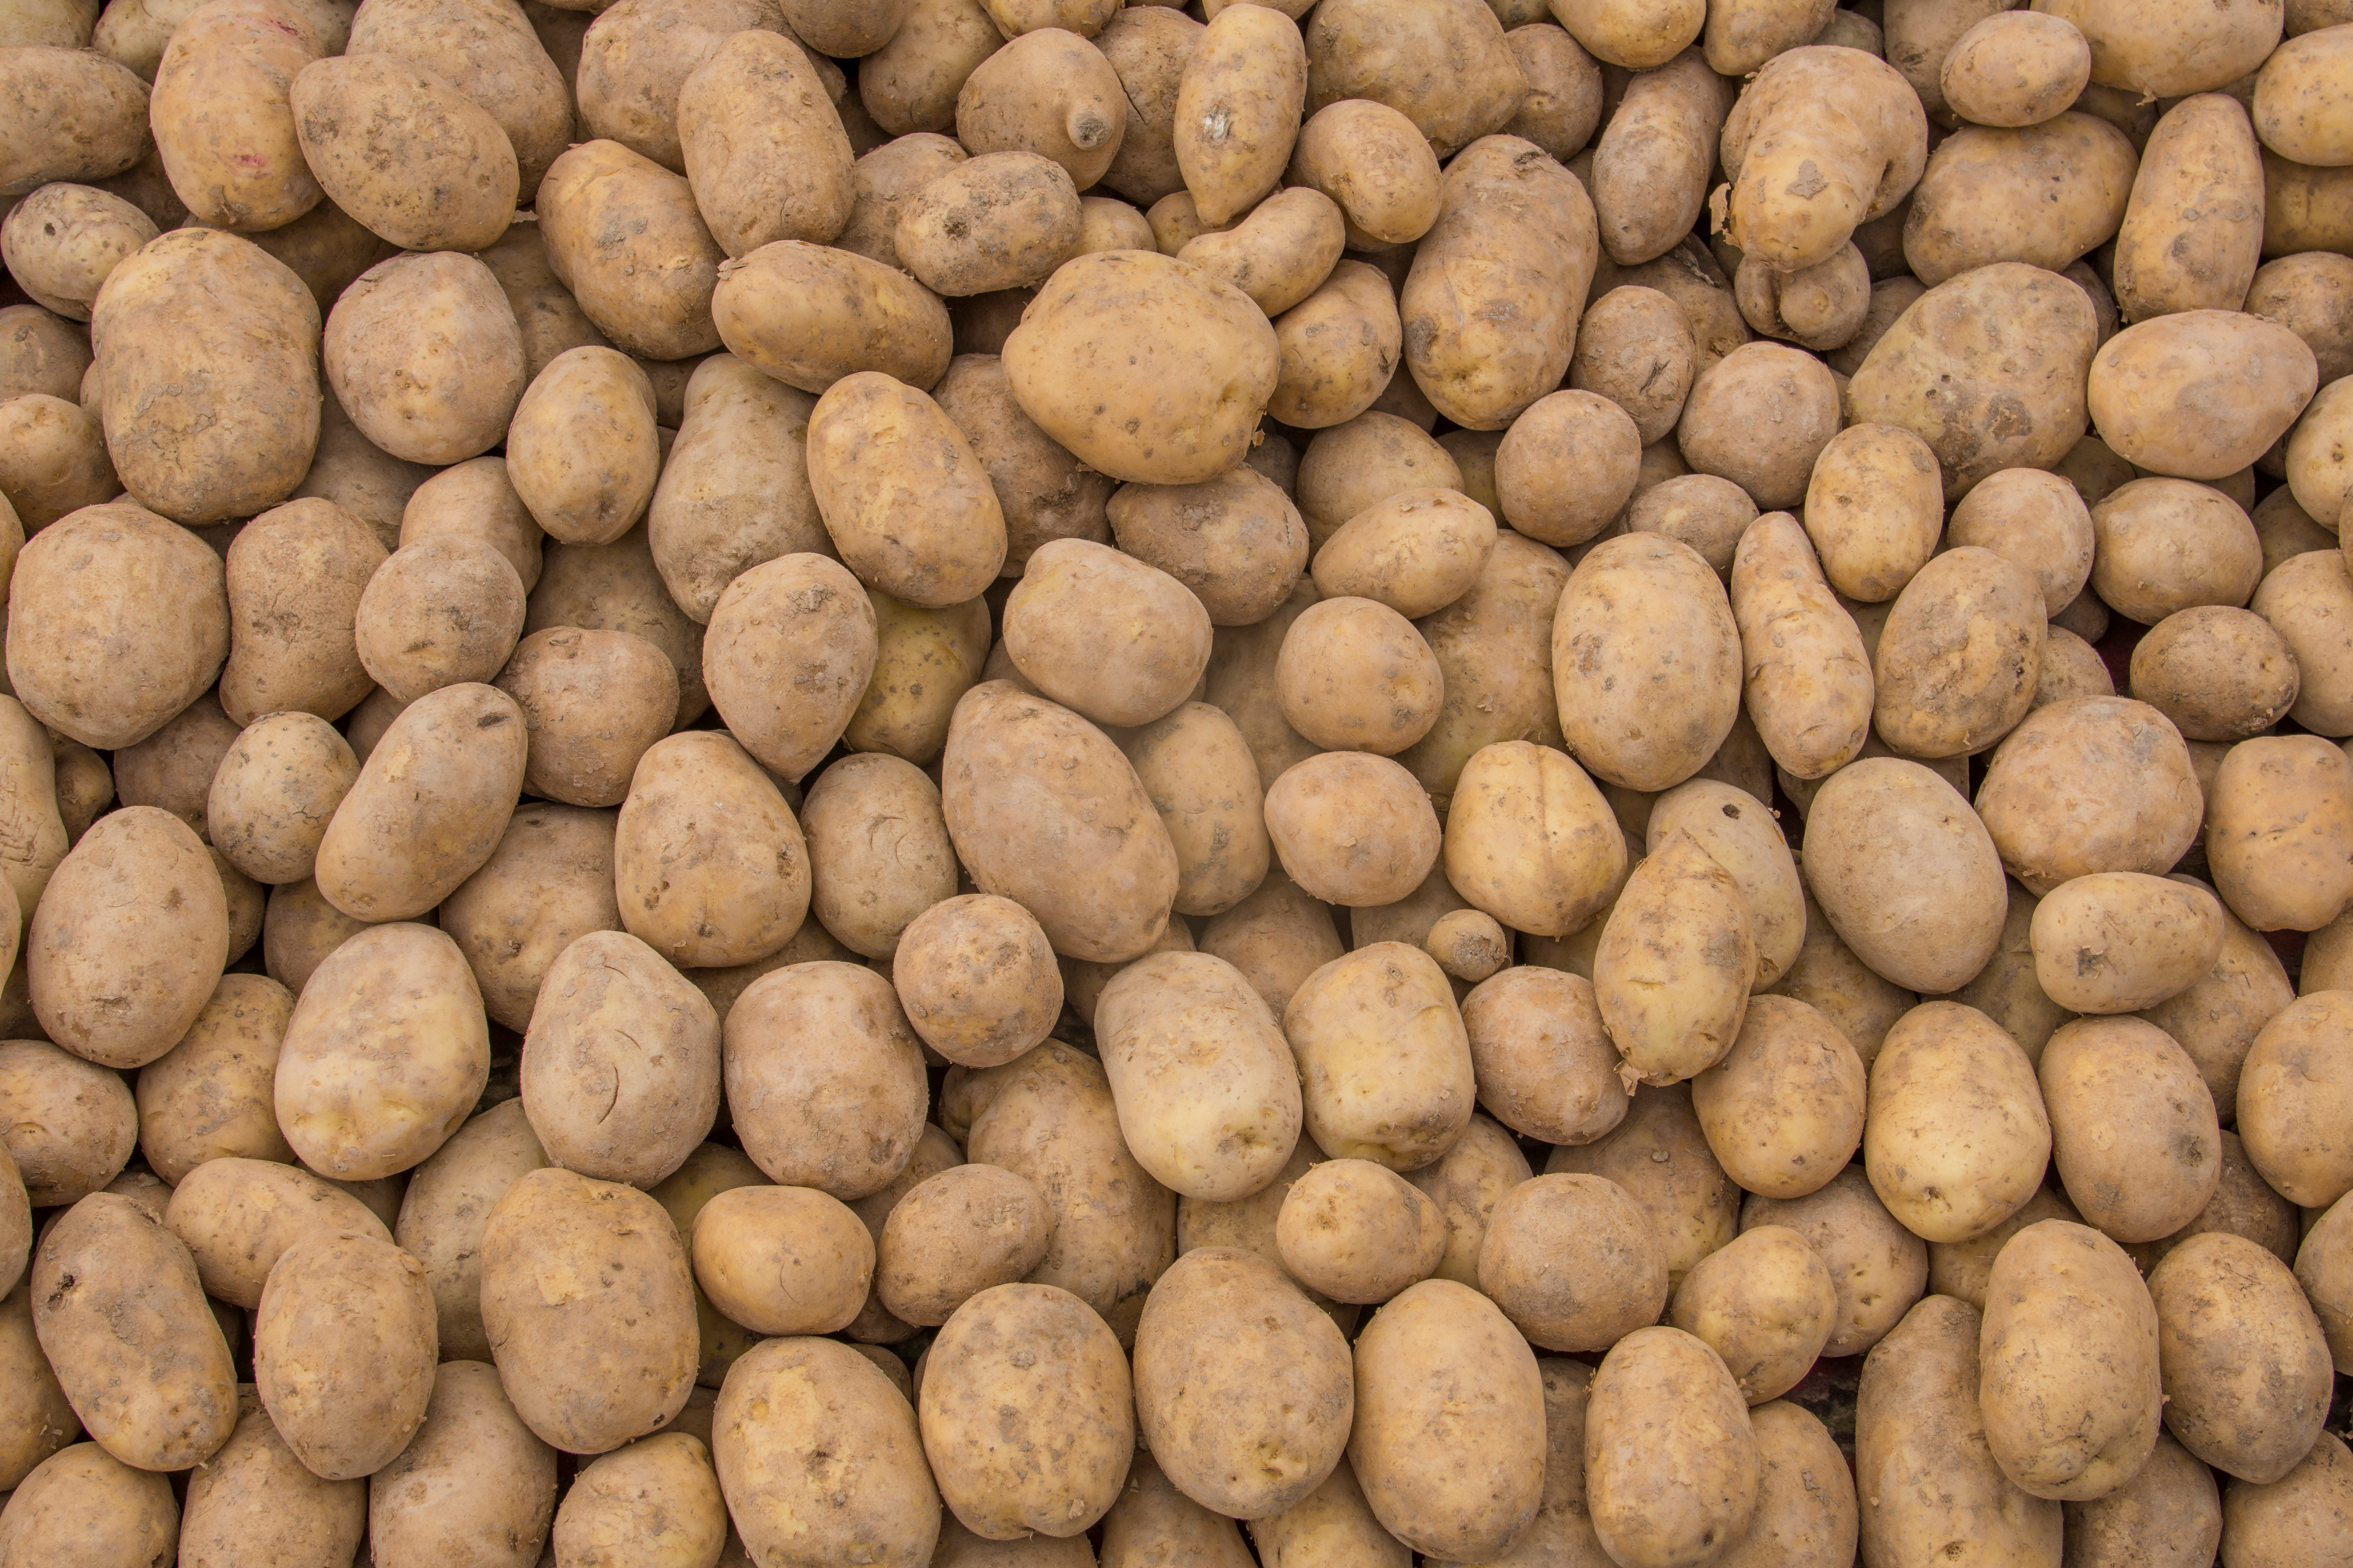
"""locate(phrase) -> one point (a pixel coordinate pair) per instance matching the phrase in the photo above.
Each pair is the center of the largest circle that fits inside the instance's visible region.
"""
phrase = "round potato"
(783, 1260)
(1765, 1304)
(620, 1075)
(1783, 1110)
(1760, 416)
(1383, 1059)
(705, 833)
(1073, 583)
(2217, 672)
(1930, 926)
(659, 1489)
(424, 354)
(2200, 394)
(1355, 676)
(62, 241)
(1574, 1262)
(2167, 544)
(1660, 1157)
(1358, 1232)
(954, 1234)
(1567, 468)
(343, 1351)
(978, 979)
(2246, 1368)
(1545, 1064)
(84, 1505)
(71, 1124)
(792, 1105)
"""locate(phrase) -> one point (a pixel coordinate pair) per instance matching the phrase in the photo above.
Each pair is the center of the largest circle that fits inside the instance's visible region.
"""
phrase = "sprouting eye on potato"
(1399, 756)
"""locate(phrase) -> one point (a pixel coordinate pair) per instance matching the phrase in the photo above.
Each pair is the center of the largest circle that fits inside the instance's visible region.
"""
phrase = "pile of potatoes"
(945, 784)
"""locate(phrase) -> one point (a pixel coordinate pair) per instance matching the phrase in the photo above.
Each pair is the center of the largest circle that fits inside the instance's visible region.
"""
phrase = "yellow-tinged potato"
(1646, 662)
(2295, 1519)
(2200, 394)
(2220, 673)
(1544, 1066)
(442, 1212)
(2119, 942)
(1955, 1138)
(549, 881)
(867, 1496)
(28, 786)
(790, 649)
(128, 939)
(1675, 962)
(1070, 586)
(1460, 1477)
(255, 1495)
(2305, 602)
(2169, 49)
(1197, 769)
(2246, 1368)
(438, 613)
(762, 147)
(2324, 1267)
(1650, 168)
(422, 352)
(344, 1348)
(735, 490)
(783, 1259)
(1865, 161)
(210, 1096)
(56, 459)
(2133, 1131)
(1922, 1472)
(1928, 918)
(901, 493)
(708, 858)
(2068, 1372)
(1384, 1060)
(956, 1234)
(1806, 1513)
(1038, 1352)
(2171, 1513)
(1416, 552)
(1371, 50)
(1358, 1232)
(491, 57)
(1243, 1390)
(620, 1077)
(1737, 831)
(432, 800)
(72, 1125)
(1490, 307)
(1530, 841)
(657, 1495)
(236, 1216)
(273, 792)
(2012, 70)
(581, 448)
(74, 115)
(650, 291)
(2090, 784)
(1153, 1520)
(1238, 107)
(1574, 1262)
(475, 1479)
(225, 131)
(2278, 817)
(300, 657)
(1355, 676)
(1658, 1154)
(1671, 1463)
(1766, 1305)
(1957, 662)
(1047, 92)
(2193, 231)
(359, 117)
(978, 979)
(122, 1320)
(2291, 1092)
(1808, 679)
(587, 1374)
(83, 1505)
(1370, 160)
(844, 1119)
(1783, 1110)
(1874, 509)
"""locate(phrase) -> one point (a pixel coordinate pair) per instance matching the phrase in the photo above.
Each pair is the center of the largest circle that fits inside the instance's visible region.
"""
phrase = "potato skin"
(1253, 1420)
(1675, 961)
(1384, 1059)
(874, 446)
(2192, 234)
(1513, 227)
(2277, 816)
(1035, 1351)
(785, 1095)
(1806, 678)
(809, 315)
(1930, 944)
(765, 151)
(444, 1207)
(1543, 1062)
(2133, 1132)
(474, 1481)
(1783, 1110)
(979, 979)
(952, 1234)
(83, 1505)
(789, 651)
(1428, 1482)
(1574, 1262)
(781, 1260)
(1663, 1377)
(358, 116)
(1864, 164)
(734, 489)
(2246, 1368)
(344, 1348)
(1645, 709)
(609, 1355)
(491, 57)
(1369, 50)
(255, 1494)
(229, 135)
(2068, 1363)
(1003, 220)
(2292, 1093)
(705, 833)
(2059, 803)
(300, 656)
(582, 452)
(1962, 216)
(1944, 1067)
(1197, 769)
(2120, 942)
(652, 293)
(123, 1321)
(620, 1074)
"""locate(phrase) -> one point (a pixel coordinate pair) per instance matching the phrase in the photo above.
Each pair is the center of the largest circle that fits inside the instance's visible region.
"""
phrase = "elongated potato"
(904, 497)
(1945, 1067)
(1646, 662)
(651, 292)
(809, 315)
(2192, 232)
(1371, 50)
(788, 654)
(2246, 1368)
(443, 1209)
(344, 1348)
(78, 115)
(1671, 1462)
(763, 149)
(1675, 961)
(1808, 679)
(1206, 1092)
(785, 1096)
(226, 131)
(1930, 917)
(358, 115)
(735, 489)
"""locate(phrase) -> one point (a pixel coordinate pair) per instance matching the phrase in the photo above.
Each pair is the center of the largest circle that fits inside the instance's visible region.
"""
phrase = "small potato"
(762, 149)
(1370, 159)
(586, 1373)
(924, 661)
(2291, 1096)
(1566, 466)
(123, 1319)
(344, 1351)
(1071, 583)
(650, 291)
(2279, 810)
(1635, 348)
(658, 1492)
(2246, 1369)
(474, 1471)
(61, 242)
(442, 1212)
(1765, 1304)
(1357, 1231)
(1663, 1393)
(2304, 601)
(129, 940)
(620, 1076)
(1393, 836)
(210, 1096)
(1338, 349)
(358, 115)
(1197, 769)
(2231, 384)
(791, 648)
(301, 655)
(2132, 1131)
(2120, 942)
(1944, 1066)
(1808, 680)
(432, 800)
(1646, 662)
(1574, 1262)
(1384, 1059)
(549, 881)
(1660, 1157)
(438, 613)
(703, 833)
(783, 1260)
(172, 768)
(1280, 253)
(1783, 1110)
(1429, 1484)
(1006, 751)
(1874, 509)
(944, 553)
(1038, 1352)
(2016, 70)
(1544, 1066)
(72, 1125)
(1236, 541)
(955, 1235)
(581, 448)
(1049, 92)
(978, 979)
(1821, 307)
(1355, 676)
(2165, 546)
(255, 1494)
(271, 797)
(780, 1092)
(1923, 941)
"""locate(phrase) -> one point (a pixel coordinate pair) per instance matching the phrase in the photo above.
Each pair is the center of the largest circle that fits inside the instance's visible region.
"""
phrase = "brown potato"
(438, 613)
(422, 352)
(57, 461)
(1574, 1262)
(942, 553)
(660, 1489)
(1072, 583)
(1927, 945)
(787, 657)
(1566, 466)
(78, 116)
(2157, 391)
(344, 1348)
(473, 1471)
(1047, 92)
(620, 1076)
(1946, 1064)
(2132, 1134)
(1355, 1231)
(955, 1235)
(1650, 168)
(1373, 161)
(2289, 1092)
(71, 1124)
(594, 701)
(1466, 1183)
(1963, 215)
(549, 881)
(1675, 961)
(2278, 809)
(448, 1200)
(83, 1504)
(1003, 220)
(651, 294)
(2119, 942)
(762, 147)
(272, 793)
(782, 1096)
(1637, 716)
(978, 979)
(2304, 601)
(61, 242)
(1396, 834)
(1662, 1394)
(781, 1260)
(1355, 676)
(733, 491)
(1660, 1156)
(1783, 1110)
(2246, 1369)
(172, 768)
(1356, 1026)
(1765, 1304)
(300, 656)
(1544, 1066)
(255, 1493)
(707, 857)
(1760, 416)
(359, 115)
(1363, 48)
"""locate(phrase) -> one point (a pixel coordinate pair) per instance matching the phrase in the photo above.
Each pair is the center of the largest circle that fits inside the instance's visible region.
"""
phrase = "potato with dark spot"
(344, 1348)
(709, 860)
(762, 147)
(651, 292)
(790, 649)
(1047, 92)
(1574, 1262)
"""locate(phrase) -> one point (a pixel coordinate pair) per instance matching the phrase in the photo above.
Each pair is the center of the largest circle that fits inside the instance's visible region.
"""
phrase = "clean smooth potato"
(844, 1120)
(1069, 585)
(705, 833)
(1905, 873)
(211, 1095)
(2291, 1092)
(1783, 1110)
(781, 1260)
(1945, 1067)
(2276, 814)
(1671, 1462)
(1765, 1304)
(343, 1351)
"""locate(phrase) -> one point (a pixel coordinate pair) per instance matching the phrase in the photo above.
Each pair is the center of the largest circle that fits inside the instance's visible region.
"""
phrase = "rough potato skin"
(590, 1310)
(122, 1320)
(810, 314)
(1650, 167)
(2246, 1368)
(255, 1495)
(1237, 109)
(83, 1505)
(475, 1486)
(708, 861)
(734, 487)
(904, 499)
(1147, 45)
(1244, 1389)
(1383, 50)
(2192, 234)
(1959, 657)
(208, 355)
(1671, 1462)
(296, 651)
(2200, 394)
(621, 1063)
(1905, 873)
(634, 60)
(650, 291)
(344, 1347)
(72, 114)
(1674, 966)
(490, 55)
(1646, 662)
(2089, 783)
(1965, 212)
(1808, 679)
(1573, 1260)
(399, 148)
(220, 101)
(763, 149)
(1823, 139)
(845, 1120)
(1385, 1061)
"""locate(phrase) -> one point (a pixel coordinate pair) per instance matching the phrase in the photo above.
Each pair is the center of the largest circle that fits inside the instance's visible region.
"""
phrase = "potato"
(2288, 1092)
(790, 650)
(1921, 1451)
(651, 292)
(783, 1260)
(1800, 1518)
(1941, 372)
(1416, 552)
(955, 1235)
(1358, 1232)
(1945, 1060)
(1617, 1281)
(1119, 906)
(1365, 49)
(2132, 1133)
(236, 1216)
(71, 1124)
(2170, 51)
(1353, 465)
(2320, 1269)
(41, 351)
(594, 701)
(1152, 1519)
(299, 655)
(2278, 807)
(1821, 307)
(2068, 1378)
(74, 115)
(1958, 663)
(1238, 108)
(786, 1102)
(581, 451)
(707, 856)
(491, 58)
(879, 850)
(2304, 602)
(1564, 469)
(1071, 583)
(1354, 675)
(2011, 71)
(1512, 222)
(1660, 1156)
(2253, 1409)
(633, 67)
(587, 1375)
(1004, 220)
(2306, 294)
(1408, 1107)
(1702, 1495)
(361, 114)
(1369, 159)
(883, 181)
(1635, 348)
(2121, 942)
(475, 1479)
(1783, 1110)
(210, 1096)
(1530, 840)
(432, 800)
(62, 243)
(129, 940)
(659, 1491)
(762, 146)
(2157, 391)
(349, 1106)
(872, 1495)
(1544, 1063)
(935, 556)
(255, 1494)
(1197, 769)
(1277, 936)
(2055, 795)
(1396, 834)
(300, 929)
(2172, 1506)
(449, 1197)
(549, 881)
(2217, 672)
(1765, 1304)
(123, 1319)
(1962, 216)
(83, 1505)
(1867, 168)
(735, 490)
(1650, 167)
(1427, 1485)
(1760, 416)
(344, 1349)
(1874, 509)
(2193, 231)
(271, 797)
(1038, 1352)
(422, 352)
(1930, 925)
(2216, 1018)
(1811, 703)
(172, 768)
(1047, 93)
(1612, 685)
(438, 613)
(978, 979)
(57, 461)
(1675, 961)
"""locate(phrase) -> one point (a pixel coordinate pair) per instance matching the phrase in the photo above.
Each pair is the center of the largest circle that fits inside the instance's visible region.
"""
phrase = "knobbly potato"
(474, 1473)
(707, 857)
(1921, 1450)
(1543, 1063)
(2068, 1378)
(72, 1125)
(2246, 1368)
(1207, 1095)
(1675, 961)
(1867, 166)
(1429, 1484)
(128, 939)
(651, 292)
(1358, 1106)
(1574, 1262)
(1358, 1232)
(432, 800)
(1765, 1304)
(2120, 942)
(1658, 1154)
(1369, 158)
(1947, 1064)
(386, 1054)
(762, 149)
(448, 1200)
(789, 651)
(2199, 395)
(1003, 220)
(1255, 1423)
(1783, 1110)
(344, 1348)
(122, 1320)
(359, 116)
(1355, 676)
(1931, 925)
(978, 979)
(783, 1259)
(2291, 1092)
(211, 1095)
(2279, 808)
(256, 1494)
(1047, 92)
(1038, 1351)
(1396, 834)
(302, 655)
(589, 1377)
(786, 1101)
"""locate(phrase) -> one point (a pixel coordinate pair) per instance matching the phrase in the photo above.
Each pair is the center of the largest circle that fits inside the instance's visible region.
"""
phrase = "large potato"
(1788, 215)
(2192, 233)
(343, 1351)
(1646, 662)
(608, 1354)
(2088, 785)
(124, 1322)
(129, 940)
(2068, 1374)
(1370, 49)
(1905, 873)
(2169, 50)
(2200, 394)
(1671, 1462)
(787, 657)
(2246, 1368)
(432, 800)
(474, 1483)
(2292, 1099)
(904, 497)
(650, 290)
(225, 128)
(763, 149)
(362, 117)
(709, 860)
(844, 1120)
(385, 1055)
(422, 351)
(74, 115)
(1943, 1068)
